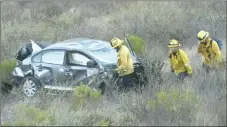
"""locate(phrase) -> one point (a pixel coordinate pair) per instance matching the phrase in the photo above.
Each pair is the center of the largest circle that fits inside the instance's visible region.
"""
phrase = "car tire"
(30, 86)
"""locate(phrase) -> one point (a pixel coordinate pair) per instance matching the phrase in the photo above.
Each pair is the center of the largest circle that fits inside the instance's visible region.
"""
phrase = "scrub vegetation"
(149, 25)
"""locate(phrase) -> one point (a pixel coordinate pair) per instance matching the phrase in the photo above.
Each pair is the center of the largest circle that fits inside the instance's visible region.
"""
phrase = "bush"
(153, 70)
(156, 23)
(96, 120)
(104, 122)
(5, 68)
(83, 94)
(30, 115)
(180, 106)
(137, 43)
(149, 20)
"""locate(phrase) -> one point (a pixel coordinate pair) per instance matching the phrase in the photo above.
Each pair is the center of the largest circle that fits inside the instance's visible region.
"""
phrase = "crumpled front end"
(18, 74)
(23, 63)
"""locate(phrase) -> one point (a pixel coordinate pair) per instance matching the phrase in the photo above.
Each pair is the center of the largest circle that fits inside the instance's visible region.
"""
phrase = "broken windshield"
(106, 55)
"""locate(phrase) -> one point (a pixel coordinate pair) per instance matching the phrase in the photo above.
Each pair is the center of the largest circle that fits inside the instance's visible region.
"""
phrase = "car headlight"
(17, 72)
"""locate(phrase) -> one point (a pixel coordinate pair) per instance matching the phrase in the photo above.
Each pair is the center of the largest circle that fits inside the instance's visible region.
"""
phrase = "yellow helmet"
(202, 35)
(116, 42)
(173, 43)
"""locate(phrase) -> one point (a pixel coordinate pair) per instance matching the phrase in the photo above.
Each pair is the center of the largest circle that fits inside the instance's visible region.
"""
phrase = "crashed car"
(66, 64)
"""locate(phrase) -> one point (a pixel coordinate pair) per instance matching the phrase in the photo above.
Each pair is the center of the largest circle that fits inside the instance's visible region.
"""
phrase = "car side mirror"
(91, 63)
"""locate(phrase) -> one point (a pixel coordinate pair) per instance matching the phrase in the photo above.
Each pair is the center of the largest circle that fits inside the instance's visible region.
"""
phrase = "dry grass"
(156, 23)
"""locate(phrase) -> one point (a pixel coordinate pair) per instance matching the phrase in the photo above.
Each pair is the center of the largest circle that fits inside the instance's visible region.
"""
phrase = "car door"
(138, 68)
(51, 70)
(77, 65)
(130, 47)
(36, 65)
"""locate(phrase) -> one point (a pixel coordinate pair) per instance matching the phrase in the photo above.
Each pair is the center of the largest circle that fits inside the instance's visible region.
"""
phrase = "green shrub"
(5, 68)
(137, 43)
(95, 119)
(104, 122)
(83, 94)
(183, 105)
(30, 115)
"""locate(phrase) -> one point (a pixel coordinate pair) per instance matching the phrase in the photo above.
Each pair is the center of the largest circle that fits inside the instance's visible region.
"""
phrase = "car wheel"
(30, 86)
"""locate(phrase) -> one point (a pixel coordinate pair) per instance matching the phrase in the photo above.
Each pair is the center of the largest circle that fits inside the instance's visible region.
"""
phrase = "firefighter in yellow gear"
(178, 59)
(211, 54)
(125, 67)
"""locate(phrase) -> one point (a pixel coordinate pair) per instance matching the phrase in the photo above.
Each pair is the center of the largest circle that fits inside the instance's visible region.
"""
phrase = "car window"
(53, 57)
(37, 58)
(106, 55)
(77, 59)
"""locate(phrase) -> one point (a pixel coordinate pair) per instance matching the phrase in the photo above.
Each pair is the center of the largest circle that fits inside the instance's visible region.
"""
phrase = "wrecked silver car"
(62, 65)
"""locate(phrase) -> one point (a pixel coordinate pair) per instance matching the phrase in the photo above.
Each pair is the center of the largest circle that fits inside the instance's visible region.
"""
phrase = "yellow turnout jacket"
(179, 62)
(211, 53)
(125, 62)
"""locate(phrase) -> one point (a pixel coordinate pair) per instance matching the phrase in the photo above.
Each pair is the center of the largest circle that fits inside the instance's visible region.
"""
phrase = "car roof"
(79, 44)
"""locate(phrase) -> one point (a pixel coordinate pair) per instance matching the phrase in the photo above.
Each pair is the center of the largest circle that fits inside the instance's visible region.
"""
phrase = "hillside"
(199, 100)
